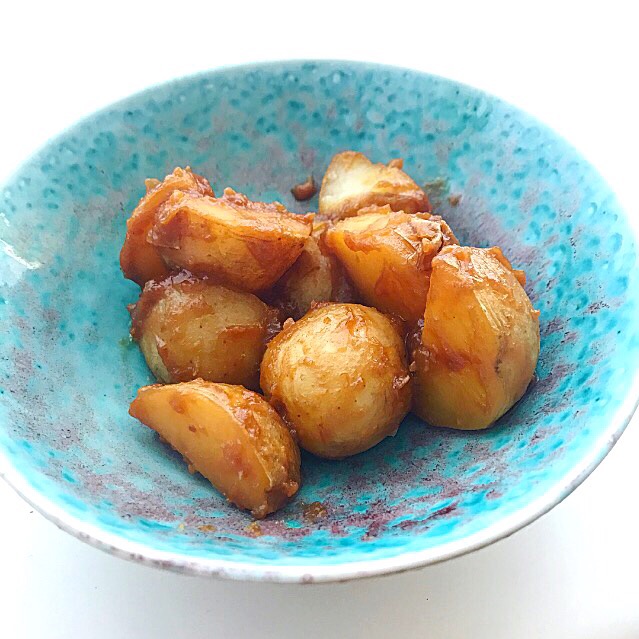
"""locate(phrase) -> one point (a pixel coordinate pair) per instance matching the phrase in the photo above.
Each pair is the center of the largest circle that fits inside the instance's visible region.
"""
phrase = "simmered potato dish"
(230, 435)
(140, 260)
(316, 276)
(388, 256)
(339, 377)
(243, 295)
(238, 242)
(480, 341)
(352, 182)
(188, 327)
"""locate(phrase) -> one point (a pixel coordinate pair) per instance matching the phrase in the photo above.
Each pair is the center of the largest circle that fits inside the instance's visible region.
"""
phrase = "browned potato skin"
(316, 276)
(339, 378)
(189, 327)
(352, 182)
(388, 256)
(248, 245)
(139, 260)
(480, 341)
(228, 434)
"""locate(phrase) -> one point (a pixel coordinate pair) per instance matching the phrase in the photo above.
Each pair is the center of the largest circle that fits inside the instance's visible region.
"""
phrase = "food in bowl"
(316, 276)
(480, 340)
(352, 182)
(139, 259)
(388, 253)
(244, 291)
(189, 327)
(230, 435)
(339, 377)
(245, 244)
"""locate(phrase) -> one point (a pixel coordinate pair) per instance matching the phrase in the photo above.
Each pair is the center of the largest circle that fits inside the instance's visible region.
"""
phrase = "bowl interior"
(68, 370)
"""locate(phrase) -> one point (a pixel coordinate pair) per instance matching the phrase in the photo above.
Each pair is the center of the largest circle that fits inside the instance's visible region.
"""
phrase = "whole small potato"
(140, 260)
(480, 340)
(316, 276)
(388, 256)
(230, 435)
(339, 378)
(189, 327)
(248, 245)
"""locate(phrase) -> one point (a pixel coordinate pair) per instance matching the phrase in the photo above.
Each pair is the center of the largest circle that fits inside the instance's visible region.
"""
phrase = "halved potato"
(352, 182)
(339, 378)
(388, 256)
(139, 260)
(246, 244)
(188, 327)
(228, 434)
(480, 341)
(316, 276)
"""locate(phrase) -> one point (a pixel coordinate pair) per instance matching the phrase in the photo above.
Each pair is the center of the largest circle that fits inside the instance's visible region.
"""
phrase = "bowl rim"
(318, 573)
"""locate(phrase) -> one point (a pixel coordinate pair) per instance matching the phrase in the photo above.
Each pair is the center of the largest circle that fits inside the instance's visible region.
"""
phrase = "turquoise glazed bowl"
(68, 370)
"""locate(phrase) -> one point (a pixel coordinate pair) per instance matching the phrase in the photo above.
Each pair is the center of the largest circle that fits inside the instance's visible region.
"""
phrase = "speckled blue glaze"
(68, 371)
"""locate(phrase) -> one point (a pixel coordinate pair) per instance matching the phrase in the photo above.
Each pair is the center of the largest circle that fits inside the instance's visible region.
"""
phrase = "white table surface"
(571, 574)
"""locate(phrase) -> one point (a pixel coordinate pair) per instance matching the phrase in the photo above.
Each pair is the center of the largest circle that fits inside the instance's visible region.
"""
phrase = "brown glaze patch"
(314, 511)
(207, 528)
(305, 190)
(254, 529)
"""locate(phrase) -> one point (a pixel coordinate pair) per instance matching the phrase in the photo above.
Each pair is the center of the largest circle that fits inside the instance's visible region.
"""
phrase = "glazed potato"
(388, 256)
(139, 260)
(480, 341)
(228, 434)
(189, 327)
(316, 276)
(246, 244)
(352, 182)
(339, 378)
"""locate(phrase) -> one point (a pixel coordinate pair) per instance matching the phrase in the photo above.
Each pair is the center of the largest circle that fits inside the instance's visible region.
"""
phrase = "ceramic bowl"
(68, 369)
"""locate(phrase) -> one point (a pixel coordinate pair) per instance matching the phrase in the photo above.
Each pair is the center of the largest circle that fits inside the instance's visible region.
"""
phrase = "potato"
(246, 244)
(316, 276)
(339, 378)
(480, 341)
(352, 182)
(230, 435)
(139, 260)
(189, 327)
(388, 256)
